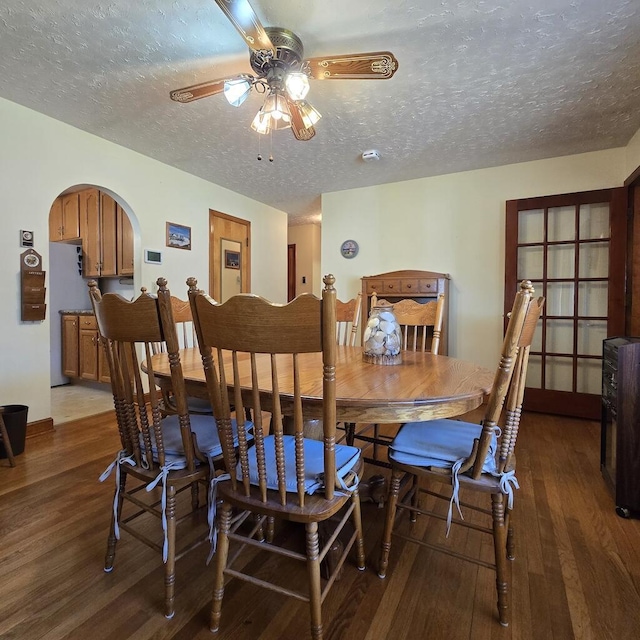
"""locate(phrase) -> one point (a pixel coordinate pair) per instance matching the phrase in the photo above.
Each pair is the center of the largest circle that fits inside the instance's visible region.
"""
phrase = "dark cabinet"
(620, 446)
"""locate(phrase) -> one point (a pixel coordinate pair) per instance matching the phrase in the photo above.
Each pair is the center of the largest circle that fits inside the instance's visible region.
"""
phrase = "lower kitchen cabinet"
(83, 347)
(70, 332)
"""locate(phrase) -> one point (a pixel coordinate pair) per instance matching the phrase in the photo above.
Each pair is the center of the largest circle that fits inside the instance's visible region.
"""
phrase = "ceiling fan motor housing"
(289, 52)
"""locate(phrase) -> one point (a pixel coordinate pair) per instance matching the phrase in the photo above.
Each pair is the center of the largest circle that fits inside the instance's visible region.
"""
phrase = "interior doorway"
(91, 236)
(573, 249)
(229, 256)
(291, 272)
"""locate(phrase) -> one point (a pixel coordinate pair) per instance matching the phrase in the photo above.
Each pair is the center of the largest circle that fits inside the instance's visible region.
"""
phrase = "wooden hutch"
(422, 286)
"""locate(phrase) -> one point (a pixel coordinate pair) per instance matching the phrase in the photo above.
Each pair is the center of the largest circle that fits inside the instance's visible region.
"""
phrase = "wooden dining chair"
(4, 438)
(348, 320)
(421, 324)
(186, 335)
(469, 457)
(285, 477)
(421, 328)
(174, 453)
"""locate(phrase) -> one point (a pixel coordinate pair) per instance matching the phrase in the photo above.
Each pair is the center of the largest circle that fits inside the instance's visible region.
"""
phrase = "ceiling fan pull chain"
(271, 145)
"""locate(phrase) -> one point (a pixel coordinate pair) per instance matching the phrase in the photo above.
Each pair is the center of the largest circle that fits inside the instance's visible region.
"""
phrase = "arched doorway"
(92, 234)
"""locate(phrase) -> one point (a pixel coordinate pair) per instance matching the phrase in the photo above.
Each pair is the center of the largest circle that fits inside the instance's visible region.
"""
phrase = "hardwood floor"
(576, 574)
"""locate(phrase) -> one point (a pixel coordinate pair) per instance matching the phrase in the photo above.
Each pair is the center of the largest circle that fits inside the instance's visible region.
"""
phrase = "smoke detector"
(370, 155)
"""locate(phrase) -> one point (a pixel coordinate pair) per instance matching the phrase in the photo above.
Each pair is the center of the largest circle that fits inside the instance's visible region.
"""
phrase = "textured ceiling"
(480, 83)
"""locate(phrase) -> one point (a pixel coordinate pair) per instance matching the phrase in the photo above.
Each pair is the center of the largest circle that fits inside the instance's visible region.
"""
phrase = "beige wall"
(40, 157)
(633, 154)
(306, 237)
(453, 224)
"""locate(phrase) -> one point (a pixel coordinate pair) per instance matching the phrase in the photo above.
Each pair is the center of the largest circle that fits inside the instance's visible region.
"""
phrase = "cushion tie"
(348, 489)
(505, 485)
(164, 472)
(121, 458)
(455, 484)
(509, 482)
(211, 511)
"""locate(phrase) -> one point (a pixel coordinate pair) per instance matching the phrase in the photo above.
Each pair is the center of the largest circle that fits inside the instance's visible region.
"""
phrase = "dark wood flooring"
(576, 575)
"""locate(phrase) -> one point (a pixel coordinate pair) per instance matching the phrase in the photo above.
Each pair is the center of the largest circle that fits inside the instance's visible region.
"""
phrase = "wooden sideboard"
(421, 286)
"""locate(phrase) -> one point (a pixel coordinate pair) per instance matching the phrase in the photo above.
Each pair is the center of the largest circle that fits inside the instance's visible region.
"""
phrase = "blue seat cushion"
(346, 459)
(439, 443)
(206, 431)
(199, 405)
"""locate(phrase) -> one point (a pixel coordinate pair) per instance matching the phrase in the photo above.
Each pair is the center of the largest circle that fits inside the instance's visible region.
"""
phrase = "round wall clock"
(31, 260)
(349, 249)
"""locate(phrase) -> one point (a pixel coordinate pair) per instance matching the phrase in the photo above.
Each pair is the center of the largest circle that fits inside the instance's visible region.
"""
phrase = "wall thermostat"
(26, 238)
(152, 257)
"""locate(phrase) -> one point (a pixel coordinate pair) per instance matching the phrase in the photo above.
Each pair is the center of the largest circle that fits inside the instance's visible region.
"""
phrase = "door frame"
(576, 404)
(215, 284)
(292, 278)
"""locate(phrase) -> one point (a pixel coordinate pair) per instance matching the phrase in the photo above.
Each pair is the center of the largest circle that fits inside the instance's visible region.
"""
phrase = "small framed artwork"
(178, 236)
(231, 259)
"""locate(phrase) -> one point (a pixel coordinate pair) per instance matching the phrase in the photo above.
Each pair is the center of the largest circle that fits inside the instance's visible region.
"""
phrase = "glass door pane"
(562, 224)
(594, 221)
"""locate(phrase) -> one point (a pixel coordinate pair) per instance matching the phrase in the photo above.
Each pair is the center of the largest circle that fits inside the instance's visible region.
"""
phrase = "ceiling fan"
(282, 73)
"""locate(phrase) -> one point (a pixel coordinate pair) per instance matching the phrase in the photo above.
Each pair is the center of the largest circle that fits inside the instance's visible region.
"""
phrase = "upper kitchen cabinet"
(64, 218)
(105, 251)
(124, 233)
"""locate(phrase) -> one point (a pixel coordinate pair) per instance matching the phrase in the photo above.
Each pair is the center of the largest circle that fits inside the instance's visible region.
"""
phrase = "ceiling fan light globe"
(297, 85)
(276, 108)
(280, 123)
(261, 123)
(310, 115)
(237, 91)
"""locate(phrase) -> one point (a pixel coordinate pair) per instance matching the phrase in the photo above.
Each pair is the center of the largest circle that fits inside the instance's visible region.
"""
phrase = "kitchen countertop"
(76, 312)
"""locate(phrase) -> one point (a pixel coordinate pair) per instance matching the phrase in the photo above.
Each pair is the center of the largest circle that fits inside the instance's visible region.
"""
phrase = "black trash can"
(15, 419)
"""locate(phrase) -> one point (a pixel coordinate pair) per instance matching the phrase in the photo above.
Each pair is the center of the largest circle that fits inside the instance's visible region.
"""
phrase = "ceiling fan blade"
(204, 90)
(379, 65)
(297, 125)
(244, 19)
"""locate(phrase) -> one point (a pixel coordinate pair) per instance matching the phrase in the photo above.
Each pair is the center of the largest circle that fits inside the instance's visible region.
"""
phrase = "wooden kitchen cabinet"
(70, 346)
(82, 355)
(64, 218)
(124, 234)
(98, 231)
(88, 347)
(92, 359)
(105, 230)
(108, 244)
(90, 232)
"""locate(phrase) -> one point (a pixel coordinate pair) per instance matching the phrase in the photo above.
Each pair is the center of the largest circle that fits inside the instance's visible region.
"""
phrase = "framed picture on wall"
(178, 236)
(231, 259)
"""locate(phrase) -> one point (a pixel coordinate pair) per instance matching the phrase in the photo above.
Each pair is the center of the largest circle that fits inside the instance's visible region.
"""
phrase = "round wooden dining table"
(423, 386)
